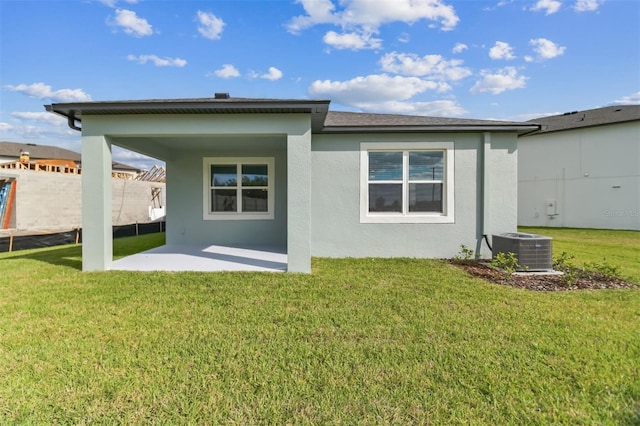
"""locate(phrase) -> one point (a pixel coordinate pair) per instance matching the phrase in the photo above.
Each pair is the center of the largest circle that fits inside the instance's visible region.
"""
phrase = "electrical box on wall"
(552, 208)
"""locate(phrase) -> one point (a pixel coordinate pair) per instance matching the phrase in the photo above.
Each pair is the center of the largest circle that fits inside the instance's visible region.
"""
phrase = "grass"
(615, 248)
(366, 341)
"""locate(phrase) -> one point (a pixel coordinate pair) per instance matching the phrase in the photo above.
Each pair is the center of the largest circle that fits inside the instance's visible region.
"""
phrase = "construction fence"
(23, 242)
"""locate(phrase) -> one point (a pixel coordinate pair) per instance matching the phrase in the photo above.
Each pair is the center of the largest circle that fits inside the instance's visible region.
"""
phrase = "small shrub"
(506, 261)
(570, 276)
(590, 270)
(561, 262)
(604, 268)
(464, 255)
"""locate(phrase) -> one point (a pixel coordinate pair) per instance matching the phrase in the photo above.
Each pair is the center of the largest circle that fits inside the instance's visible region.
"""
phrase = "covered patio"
(212, 258)
(197, 138)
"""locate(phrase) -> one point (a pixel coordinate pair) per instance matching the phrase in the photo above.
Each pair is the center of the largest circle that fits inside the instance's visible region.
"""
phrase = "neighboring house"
(10, 153)
(294, 175)
(582, 170)
(47, 194)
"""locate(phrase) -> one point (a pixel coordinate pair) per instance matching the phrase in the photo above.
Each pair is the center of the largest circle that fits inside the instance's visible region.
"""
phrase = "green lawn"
(368, 341)
(617, 248)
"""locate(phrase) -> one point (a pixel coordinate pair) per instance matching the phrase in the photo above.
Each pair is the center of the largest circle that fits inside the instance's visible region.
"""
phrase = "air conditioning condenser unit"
(533, 251)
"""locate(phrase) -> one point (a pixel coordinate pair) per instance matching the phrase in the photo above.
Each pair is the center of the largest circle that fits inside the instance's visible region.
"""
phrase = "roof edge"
(521, 129)
(160, 104)
(73, 111)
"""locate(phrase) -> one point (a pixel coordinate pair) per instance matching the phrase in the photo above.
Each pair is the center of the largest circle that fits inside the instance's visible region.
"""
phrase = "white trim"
(207, 214)
(448, 216)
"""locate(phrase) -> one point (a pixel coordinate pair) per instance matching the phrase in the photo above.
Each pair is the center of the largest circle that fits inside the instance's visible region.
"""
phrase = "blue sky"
(509, 60)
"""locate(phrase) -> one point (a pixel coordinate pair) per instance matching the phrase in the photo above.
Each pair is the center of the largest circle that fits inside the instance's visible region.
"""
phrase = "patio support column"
(299, 202)
(97, 234)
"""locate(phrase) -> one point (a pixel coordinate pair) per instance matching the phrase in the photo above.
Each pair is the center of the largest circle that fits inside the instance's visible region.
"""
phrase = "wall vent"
(534, 252)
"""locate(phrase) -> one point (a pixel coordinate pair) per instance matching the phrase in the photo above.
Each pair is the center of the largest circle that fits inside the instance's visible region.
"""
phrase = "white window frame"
(238, 161)
(446, 216)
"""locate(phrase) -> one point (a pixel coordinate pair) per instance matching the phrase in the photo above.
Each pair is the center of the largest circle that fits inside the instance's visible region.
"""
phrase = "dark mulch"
(537, 282)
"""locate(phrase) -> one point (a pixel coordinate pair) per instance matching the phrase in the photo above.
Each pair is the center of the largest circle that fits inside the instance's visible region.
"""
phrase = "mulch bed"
(537, 282)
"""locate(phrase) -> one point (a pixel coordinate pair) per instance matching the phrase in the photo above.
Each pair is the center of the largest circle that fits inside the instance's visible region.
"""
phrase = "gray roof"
(356, 121)
(217, 105)
(322, 120)
(587, 118)
(13, 149)
(48, 152)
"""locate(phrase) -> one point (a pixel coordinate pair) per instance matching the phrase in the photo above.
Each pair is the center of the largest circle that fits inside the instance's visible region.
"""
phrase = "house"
(11, 152)
(582, 170)
(294, 175)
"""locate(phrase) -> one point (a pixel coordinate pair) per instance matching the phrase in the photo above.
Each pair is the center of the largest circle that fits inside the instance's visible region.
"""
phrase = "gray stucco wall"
(335, 224)
(185, 223)
(53, 200)
(336, 230)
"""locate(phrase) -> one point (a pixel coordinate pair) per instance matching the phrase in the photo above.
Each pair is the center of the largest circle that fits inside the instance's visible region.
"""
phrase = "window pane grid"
(420, 182)
(226, 190)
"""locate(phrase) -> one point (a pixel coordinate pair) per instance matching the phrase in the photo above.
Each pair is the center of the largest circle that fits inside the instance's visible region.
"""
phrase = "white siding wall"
(591, 176)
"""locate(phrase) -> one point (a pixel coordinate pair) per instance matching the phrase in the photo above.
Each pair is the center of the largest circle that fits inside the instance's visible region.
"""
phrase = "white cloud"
(404, 38)
(373, 89)
(44, 91)
(545, 49)
(273, 74)
(157, 61)
(633, 99)
(501, 50)
(587, 5)
(132, 24)
(318, 12)
(363, 17)
(353, 41)
(40, 125)
(495, 83)
(442, 108)
(43, 116)
(112, 3)
(549, 6)
(227, 71)
(210, 25)
(530, 116)
(434, 66)
(459, 48)
(499, 4)
(134, 159)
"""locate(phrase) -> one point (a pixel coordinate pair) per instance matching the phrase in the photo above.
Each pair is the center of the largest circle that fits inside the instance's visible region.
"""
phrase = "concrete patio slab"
(204, 259)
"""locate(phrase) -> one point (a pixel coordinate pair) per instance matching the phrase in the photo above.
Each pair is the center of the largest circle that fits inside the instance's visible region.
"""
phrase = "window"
(238, 188)
(406, 183)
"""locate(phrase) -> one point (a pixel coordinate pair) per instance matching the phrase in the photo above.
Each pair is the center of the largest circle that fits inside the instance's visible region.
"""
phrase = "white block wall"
(50, 201)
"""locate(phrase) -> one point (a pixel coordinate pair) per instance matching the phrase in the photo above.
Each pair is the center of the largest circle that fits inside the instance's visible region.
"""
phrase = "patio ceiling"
(162, 147)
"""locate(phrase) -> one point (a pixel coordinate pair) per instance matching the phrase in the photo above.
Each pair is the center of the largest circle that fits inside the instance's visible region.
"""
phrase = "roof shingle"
(587, 118)
(13, 149)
